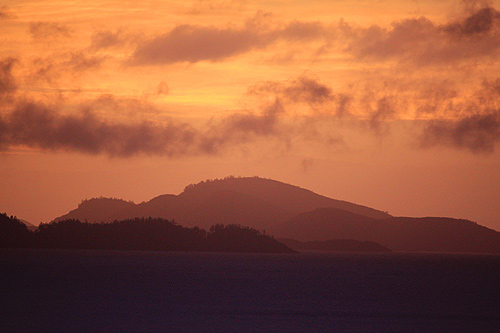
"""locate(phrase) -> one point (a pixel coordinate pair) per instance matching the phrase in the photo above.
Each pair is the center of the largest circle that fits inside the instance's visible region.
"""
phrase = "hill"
(406, 234)
(96, 210)
(255, 202)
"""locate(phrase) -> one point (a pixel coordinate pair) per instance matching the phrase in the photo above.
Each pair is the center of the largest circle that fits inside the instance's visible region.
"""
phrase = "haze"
(390, 104)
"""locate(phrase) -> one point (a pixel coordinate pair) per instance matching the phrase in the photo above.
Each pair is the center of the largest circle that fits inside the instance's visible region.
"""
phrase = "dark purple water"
(56, 290)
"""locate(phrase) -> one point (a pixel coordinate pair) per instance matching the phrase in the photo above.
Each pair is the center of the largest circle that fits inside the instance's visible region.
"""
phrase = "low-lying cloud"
(477, 133)
(38, 126)
(45, 127)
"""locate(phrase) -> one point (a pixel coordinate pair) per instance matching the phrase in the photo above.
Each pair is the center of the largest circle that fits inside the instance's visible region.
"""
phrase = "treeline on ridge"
(149, 234)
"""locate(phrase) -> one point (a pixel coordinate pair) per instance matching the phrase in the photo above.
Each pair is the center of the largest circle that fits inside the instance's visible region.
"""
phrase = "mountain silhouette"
(287, 211)
(406, 234)
(256, 202)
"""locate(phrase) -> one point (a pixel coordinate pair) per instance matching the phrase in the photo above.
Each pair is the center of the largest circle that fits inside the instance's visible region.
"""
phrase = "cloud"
(7, 80)
(423, 42)
(46, 30)
(264, 124)
(39, 126)
(385, 110)
(73, 63)
(192, 43)
(302, 90)
(44, 127)
(242, 127)
(188, 43)
(79, 62)
(105, 39)
(414, 40)
(482, 22)
(477, 133)
(317, 95)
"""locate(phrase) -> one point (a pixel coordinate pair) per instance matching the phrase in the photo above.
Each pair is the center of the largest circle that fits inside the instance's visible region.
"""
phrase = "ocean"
(68, 290)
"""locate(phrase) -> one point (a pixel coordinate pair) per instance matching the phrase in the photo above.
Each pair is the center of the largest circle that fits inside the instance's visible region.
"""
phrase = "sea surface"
(68, 290)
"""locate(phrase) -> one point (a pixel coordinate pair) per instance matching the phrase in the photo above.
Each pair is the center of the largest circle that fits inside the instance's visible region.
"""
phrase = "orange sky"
(390, 104)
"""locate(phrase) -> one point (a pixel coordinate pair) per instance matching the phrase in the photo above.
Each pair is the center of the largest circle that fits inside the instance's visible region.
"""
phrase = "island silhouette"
(262, 207)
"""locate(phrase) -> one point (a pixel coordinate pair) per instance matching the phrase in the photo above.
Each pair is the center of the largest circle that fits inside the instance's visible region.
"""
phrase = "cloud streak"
(44, 127)
(192, 43)
(414, 40)
(423, 42)
(38, 126)
(44, 30)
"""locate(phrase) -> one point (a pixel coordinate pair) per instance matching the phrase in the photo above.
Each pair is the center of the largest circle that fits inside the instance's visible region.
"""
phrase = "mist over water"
(47, 290)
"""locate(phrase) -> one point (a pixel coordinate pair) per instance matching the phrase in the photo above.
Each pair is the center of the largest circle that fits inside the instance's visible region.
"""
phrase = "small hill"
(96, 210)
(406, 234)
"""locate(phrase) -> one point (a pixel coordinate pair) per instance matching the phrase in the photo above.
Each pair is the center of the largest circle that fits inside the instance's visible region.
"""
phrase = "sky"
(390, 104)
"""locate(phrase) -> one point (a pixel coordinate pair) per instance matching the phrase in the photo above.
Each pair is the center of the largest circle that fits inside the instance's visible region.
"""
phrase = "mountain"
(255, 202)
(28, 225)
(287, 211)
(406, 234)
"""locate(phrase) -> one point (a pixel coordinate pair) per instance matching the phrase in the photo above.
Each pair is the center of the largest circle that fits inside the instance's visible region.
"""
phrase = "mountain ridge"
(404, 234)
(287, 211)
(214, 201)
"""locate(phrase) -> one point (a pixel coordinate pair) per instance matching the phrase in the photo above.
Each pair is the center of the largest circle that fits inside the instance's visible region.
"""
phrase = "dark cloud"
(405, 37)
(7, 80)
(191, 43)
(38, 126)
(249, 123)
(482, 22)
(436, 98)
(421, 41)
(478, 133)
(44, 30)
(302, 90)
(317, 95)
(188, 43)
(242, 127)
(45, 127)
